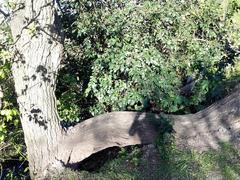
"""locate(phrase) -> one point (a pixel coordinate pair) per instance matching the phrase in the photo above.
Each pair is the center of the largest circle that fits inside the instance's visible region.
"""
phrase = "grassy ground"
(155, 162)
(171, 164)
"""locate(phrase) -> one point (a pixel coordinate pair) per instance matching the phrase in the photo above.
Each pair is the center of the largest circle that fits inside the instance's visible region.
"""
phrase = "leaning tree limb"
(201, 131)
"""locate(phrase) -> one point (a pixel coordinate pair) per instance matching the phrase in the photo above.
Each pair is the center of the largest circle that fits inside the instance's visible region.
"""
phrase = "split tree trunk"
(38, 50)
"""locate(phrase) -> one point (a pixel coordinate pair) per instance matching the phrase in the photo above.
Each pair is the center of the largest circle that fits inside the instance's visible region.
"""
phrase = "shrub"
(149, 49)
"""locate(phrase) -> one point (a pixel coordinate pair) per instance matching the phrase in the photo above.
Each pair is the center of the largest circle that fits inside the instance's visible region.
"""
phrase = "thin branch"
(3, 13)
(30, 21)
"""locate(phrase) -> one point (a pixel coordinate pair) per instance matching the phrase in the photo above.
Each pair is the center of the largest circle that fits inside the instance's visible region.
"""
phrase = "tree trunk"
(38, 51)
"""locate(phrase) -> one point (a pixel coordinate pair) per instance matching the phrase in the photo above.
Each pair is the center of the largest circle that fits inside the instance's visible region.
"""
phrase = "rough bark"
(108, 130)
(201, 131)
(205, 129)
(38, 49)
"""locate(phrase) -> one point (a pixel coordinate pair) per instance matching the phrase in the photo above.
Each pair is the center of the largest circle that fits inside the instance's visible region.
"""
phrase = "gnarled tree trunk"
(38, 50)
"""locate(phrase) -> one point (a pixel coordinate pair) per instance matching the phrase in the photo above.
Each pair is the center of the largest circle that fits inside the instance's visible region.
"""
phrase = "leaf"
(2, 74)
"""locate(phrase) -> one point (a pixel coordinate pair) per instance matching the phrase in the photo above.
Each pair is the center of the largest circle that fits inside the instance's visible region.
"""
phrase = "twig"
(4, 148)
(3, 13)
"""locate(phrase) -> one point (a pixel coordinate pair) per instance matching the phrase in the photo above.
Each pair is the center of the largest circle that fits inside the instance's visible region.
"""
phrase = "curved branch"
(201, 131)
(108, 130)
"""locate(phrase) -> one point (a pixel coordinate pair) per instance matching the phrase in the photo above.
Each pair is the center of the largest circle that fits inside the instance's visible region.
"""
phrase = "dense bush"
(148, 50)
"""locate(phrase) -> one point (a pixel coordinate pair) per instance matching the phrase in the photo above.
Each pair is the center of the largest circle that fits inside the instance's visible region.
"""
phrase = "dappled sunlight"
(205, 129)
(119, 74)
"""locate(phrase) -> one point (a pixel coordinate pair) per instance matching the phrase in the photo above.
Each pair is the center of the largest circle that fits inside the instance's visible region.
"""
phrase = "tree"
(38, 52)
(38, 49)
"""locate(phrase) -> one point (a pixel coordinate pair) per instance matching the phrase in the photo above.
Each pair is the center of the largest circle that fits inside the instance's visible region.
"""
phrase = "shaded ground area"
(14, 169)
(154, 162)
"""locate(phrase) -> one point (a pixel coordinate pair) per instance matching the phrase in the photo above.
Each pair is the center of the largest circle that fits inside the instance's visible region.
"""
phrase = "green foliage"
(120, 53)
(149, 49)
(73, 78)
(11, 135)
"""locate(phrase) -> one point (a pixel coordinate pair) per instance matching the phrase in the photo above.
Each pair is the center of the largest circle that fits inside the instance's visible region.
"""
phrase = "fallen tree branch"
(200, 131)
